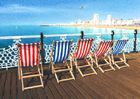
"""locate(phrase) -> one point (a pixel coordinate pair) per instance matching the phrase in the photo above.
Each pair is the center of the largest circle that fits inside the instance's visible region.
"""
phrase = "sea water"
(29, 30)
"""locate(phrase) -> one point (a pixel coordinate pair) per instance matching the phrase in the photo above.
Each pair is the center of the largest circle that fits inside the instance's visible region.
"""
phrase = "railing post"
(112, 36)
(82, 34)
(135, 41)
(42, 56)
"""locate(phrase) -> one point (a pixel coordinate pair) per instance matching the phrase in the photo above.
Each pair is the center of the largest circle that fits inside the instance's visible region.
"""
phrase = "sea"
(29, 30)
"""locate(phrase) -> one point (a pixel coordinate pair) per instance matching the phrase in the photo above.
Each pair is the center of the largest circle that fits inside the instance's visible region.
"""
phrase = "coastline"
(103, 26)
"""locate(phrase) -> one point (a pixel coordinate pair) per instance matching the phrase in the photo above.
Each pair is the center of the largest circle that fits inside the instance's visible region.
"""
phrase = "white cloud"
(17, 8)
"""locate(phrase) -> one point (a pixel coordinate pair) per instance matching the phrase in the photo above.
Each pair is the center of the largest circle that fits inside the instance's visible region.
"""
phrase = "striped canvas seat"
(60, 53)
(29, 55)
(83, 47)
(102, 49)
(118, 47)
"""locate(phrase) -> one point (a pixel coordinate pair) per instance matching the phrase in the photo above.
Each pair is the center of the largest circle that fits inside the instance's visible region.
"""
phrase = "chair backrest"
(119, 46)
(29, 54)
(84, 46)
(103, 48)
(61, 50)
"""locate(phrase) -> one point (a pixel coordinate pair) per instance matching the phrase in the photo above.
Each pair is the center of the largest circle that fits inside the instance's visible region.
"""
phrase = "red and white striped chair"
(83, 49)
(29, 55)
(102, 48)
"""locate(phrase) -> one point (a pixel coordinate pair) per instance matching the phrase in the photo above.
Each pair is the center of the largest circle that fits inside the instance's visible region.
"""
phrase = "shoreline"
(103, 26)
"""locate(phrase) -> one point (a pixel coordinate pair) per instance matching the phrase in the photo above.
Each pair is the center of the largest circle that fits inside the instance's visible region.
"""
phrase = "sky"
(36, 12)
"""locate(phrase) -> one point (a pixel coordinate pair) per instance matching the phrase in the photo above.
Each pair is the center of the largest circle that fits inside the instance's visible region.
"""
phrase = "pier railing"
(8, 56)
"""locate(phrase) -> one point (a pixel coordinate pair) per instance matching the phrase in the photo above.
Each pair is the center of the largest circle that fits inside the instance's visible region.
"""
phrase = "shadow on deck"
(123, 83)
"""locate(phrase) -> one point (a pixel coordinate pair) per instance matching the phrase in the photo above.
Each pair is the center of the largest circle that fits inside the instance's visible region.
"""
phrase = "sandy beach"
(103, 26)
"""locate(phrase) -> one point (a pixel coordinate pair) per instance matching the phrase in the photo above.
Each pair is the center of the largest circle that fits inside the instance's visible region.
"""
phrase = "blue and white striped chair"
(118, 47)
(60, 53)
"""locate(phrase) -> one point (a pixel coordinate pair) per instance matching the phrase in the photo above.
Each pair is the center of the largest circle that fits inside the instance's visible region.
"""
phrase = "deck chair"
(83, 47)
(118, 47)
(61, 53)
(102, 49)
(29, 55)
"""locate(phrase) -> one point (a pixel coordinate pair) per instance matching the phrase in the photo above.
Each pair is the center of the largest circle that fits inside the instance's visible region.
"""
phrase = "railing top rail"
(59, 35)
(18, 37)
(124, 32)
(97, 33)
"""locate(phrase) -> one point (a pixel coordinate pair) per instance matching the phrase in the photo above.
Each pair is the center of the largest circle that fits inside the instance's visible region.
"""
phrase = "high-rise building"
(109, 19)
(96, 17)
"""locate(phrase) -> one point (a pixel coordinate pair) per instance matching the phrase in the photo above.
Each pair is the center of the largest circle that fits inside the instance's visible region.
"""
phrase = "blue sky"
(16, 12)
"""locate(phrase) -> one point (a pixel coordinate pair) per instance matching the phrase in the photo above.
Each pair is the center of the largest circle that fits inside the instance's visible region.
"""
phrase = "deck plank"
(83, 92)
(7, 86)
(74, 90)
(46, 87)
(14, 88)
(34, 90)
(122, 83)
(99, 86)
(113, 85)
(86, 88)
(2, 82)
(53, 89)
(68, 91)
(59, 88)
(130, 87)
(27, 84)
(20, 92)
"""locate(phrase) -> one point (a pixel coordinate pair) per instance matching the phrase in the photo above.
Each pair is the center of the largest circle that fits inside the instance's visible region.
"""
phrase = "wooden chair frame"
(74, 60)
(30, 74)
(96, 60)
(121, 59)
(56, 70)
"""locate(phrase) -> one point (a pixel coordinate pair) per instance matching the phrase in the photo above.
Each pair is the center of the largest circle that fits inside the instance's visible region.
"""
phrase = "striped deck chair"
(102, 49)
(83, 49)
(29, 56)
(61, 53)
(118, 47)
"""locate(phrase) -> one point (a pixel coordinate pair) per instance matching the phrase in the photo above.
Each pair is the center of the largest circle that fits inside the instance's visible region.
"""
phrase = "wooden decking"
(121, 84)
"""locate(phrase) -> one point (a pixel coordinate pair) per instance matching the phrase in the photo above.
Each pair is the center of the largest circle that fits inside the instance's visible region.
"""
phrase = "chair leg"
(41, 78)
(69, 69)
(89, 65)
(71, 63)
(112, 68)
(19, 73)
(122, 60)
(110, 62)
(125, 59)
(22, 84)
(73, 78)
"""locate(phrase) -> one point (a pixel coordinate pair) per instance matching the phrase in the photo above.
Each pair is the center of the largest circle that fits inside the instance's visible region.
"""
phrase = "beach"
(103, 26)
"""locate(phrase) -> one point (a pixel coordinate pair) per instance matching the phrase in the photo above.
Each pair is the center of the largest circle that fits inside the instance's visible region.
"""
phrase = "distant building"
(103, 22)
(72, 23)
(136, 21)
(114, 21)
(96, 17)
(78, 21)
(130, 22)
(109, 20)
